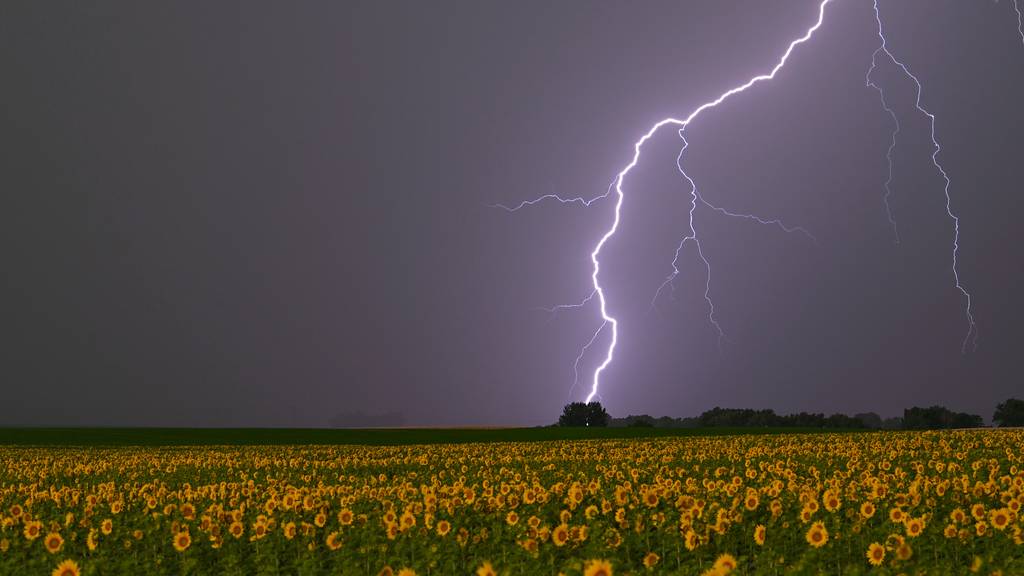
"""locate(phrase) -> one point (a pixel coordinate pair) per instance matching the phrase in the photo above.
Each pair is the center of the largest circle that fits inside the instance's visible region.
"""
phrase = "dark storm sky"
(273, 213)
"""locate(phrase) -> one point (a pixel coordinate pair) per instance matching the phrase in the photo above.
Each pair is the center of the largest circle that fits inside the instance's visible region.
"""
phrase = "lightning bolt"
(972, 329)
(585, 202)
(579, 358)
(692, 237)
(554, 310)
(697, 199)
(607, 320)
(1020, 21)
(681, 124)
(892, 142)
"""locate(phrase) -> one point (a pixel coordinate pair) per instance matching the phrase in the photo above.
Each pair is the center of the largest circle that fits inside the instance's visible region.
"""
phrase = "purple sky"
(266, 214)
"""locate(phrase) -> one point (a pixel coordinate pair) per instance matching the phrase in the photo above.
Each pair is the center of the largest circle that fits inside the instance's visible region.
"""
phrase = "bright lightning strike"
(607, 320)
(972, 328)
(682, 124)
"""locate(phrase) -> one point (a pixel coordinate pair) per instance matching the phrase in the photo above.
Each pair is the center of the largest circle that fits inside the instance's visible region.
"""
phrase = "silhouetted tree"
(574, 414)
(580, 414)
(597, 416)
(965, 420)
(641, 421)
(842, 421)
(869, 420)
(1009, 413)
(894, 423)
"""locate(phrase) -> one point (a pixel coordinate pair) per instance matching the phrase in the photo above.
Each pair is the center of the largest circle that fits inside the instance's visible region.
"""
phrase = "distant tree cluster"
(938, 418)
(1008, 413)
(580, 414)
(746, 417)
(646, 421)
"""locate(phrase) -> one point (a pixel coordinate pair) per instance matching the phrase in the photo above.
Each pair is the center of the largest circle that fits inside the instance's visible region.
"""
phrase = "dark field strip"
(370, 437)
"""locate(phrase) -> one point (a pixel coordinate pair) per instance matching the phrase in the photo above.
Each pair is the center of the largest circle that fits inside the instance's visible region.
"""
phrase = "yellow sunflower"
(759, 534)
(725, 563)
(66, 568)
(1000, 518)
(182, 540)
(876, 554)
(443, 528)
(978, 511)
(897, 516)
(598, 568)
(817, 535)
(345, 517)
(958, 516)
(53, 542)
(867, 510)
(560, 535)
(832, 502)
(692, 540)
(32, 530)
(408, 520)
(914, 527)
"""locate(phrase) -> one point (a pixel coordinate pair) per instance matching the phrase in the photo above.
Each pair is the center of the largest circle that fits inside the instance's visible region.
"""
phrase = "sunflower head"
(598, 568)
(66, 568)
(725, 563)
(560, 535)
(817, 535)
(53, 542)
(182, 540)
(876, 554)
(867, 510)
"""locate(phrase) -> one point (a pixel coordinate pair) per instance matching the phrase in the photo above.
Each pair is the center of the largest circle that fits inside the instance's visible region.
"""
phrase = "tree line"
(1008, 413)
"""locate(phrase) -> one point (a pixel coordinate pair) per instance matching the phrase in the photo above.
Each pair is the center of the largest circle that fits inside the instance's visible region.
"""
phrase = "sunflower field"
(861, 503)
